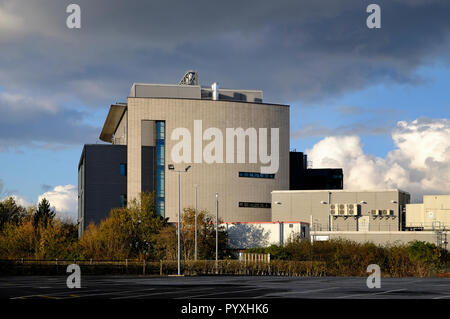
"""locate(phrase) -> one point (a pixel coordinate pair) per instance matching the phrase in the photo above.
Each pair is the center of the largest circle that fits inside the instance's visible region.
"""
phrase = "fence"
(254, 258)
(163, 267)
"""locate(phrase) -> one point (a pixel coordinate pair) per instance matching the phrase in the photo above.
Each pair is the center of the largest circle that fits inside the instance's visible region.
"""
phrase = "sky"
(372, 101)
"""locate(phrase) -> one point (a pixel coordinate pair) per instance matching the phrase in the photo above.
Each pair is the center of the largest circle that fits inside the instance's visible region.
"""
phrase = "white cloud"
(19, 200)
(64, 199)
(420, 163)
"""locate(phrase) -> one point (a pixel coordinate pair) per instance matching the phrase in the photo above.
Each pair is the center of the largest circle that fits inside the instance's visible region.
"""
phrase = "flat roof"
(342, 191)
(112, 120)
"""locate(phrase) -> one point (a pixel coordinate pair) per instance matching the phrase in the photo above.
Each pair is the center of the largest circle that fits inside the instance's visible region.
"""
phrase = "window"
(255, 205)
(123, 169)
(123, 200)
(160, 167)
(256, 175)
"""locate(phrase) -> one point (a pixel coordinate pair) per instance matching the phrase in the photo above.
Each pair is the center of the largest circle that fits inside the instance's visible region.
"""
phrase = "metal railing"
(162, 267)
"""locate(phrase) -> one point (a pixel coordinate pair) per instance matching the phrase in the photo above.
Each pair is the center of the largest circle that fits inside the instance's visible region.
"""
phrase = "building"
(378, 216)
(343, 210)
(303, 178)
(106, 186)
(263, 234)
(432, 214)
(233, 143)
(102, 180)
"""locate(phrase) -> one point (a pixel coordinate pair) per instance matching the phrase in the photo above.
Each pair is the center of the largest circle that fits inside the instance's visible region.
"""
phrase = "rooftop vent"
(215, 91)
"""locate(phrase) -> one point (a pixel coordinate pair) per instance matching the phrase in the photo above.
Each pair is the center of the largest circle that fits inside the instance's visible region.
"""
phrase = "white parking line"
(107, 293)
(159, 293)
(220, 293)
(303, 292)
(369, 294)
(51, 294)
(442, 297)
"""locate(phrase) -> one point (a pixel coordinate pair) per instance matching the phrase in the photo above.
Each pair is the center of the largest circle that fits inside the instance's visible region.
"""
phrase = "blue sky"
(382, 105)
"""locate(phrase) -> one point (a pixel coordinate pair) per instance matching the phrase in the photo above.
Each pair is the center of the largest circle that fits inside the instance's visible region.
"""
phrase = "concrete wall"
(235, 95)
(210, 178)
(435, 210)
(314, 207)
(165, 91)
(120, 135)
(378, 238)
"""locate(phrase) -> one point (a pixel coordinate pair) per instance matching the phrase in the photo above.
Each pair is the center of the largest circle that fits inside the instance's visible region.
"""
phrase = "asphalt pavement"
(221, 287)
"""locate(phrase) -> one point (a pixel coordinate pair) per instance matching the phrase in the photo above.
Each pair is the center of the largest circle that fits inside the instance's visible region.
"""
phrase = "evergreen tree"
(44, 214)
(10, 212)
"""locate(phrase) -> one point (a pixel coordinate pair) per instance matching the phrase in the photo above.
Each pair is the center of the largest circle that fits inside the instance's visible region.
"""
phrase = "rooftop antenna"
(190, 78)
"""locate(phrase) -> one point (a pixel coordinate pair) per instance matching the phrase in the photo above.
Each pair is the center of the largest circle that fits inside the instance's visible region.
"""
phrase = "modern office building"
(233, 143)
(303, 178)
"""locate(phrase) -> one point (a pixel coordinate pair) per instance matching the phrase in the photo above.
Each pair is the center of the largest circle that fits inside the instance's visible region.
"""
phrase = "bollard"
(143, 267)
(160, 268)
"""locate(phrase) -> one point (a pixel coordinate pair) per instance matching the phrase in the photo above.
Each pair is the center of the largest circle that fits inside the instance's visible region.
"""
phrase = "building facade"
(233, 143)
(106, 186)
(343, 210)
(432, 214)
(303, 178)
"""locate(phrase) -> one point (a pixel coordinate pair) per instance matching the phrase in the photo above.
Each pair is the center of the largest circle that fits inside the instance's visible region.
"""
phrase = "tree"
(44, 215)
(206, 237)
(10, 212)
(128, 232)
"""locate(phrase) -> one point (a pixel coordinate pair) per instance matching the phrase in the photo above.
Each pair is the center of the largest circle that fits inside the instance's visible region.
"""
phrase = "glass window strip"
(255, 205)
(256, 175)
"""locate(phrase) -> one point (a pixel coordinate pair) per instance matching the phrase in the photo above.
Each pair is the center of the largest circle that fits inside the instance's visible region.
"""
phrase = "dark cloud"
(45, 187)
(304, 50)
(317, 130)
(358, 110)
(39, 122)
(293, 50)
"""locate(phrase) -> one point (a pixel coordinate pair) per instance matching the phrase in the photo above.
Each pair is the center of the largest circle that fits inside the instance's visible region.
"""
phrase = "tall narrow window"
(123, 200)
(123, 169)
(160, 167)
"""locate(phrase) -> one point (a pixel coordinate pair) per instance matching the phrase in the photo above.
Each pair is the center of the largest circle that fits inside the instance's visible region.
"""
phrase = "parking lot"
(221, 287)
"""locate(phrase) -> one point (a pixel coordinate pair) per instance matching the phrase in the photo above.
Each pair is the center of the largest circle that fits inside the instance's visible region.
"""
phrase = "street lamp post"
(195, 221)
(172, 168)
(217, 228)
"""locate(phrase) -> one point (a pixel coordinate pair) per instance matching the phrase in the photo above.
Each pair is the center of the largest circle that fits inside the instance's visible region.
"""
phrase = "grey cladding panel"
(103, 184)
